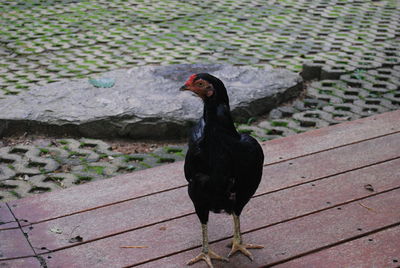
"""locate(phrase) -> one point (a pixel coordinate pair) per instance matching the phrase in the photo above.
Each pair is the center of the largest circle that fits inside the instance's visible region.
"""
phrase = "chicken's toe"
(237, 247)
(207, 257)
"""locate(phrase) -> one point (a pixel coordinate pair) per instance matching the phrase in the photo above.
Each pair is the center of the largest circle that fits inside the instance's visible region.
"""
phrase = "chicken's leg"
(206, 254)
(237, 243)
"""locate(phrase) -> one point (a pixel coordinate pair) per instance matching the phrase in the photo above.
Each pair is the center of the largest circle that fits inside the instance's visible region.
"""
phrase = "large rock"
(145, 102)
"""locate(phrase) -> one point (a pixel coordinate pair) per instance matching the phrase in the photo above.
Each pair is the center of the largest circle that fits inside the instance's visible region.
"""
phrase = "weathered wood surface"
(323, 193)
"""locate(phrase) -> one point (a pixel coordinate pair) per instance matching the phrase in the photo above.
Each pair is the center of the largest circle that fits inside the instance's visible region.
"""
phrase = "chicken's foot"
(237, 243)
(206, 254)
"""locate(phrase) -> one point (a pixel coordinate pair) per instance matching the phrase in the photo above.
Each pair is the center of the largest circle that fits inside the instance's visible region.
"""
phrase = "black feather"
(223, 167)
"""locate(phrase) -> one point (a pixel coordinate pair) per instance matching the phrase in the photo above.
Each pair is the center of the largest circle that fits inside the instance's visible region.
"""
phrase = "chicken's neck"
(217, 115)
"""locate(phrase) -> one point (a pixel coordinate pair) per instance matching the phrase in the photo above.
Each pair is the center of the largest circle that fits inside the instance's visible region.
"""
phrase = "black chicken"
(223, 167)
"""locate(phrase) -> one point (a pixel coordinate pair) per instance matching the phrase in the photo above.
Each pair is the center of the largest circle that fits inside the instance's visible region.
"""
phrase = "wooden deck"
(328, 198)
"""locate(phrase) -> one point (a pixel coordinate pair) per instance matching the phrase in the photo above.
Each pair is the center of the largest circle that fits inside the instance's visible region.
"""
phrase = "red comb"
(190, 80)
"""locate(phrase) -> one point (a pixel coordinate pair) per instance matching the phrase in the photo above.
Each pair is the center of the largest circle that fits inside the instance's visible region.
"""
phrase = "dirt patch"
(124, 146)
(26, 139)
(134, 147)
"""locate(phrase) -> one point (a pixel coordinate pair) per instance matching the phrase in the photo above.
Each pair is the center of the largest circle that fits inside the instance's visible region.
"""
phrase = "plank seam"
(332, 148)
(178, 187)
(41, 260)
(102, 206)
(328, 176)
(181, 186)
(270, 225)
(255, 196)
(393, 225)
(7, 223)
(221, 239)
(117, 233)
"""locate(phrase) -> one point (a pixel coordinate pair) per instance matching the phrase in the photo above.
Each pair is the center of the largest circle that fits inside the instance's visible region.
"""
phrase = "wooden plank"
(110, 220)
(302, 235)
(331, 137)
(7, 220)
(282, 241)
(293, 202)
(329, 163)
(21, 263)
(300, 170)
(129, 186)
(14, 244)
(381, 249)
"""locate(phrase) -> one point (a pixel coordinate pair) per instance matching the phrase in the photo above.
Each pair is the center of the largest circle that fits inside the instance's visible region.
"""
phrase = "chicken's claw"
(207, 257)
(243, 248)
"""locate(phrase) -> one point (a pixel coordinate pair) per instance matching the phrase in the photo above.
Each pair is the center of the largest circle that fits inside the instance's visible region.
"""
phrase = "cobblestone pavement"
(350, 50)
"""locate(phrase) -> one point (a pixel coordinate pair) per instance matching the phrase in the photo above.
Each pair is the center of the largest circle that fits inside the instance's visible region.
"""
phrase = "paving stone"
(98, 145)
(315, 118)
(64, 180)
(97, 169)
(275, 114)
(333, 70)
(170, 154)
(369, 108)
(343, 112)
(6, 172)
(312, 69)
(324, 91)
(394, 98)
(17, 188)
(7, 157)
(45, 164)
(127, 164)
(74, 150)
(39, 184)
(277, 128)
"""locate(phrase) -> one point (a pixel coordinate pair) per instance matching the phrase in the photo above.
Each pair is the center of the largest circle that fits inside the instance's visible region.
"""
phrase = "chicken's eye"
(200, 84)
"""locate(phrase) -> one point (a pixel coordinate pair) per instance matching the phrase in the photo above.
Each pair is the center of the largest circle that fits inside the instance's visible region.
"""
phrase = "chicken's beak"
(184, 87)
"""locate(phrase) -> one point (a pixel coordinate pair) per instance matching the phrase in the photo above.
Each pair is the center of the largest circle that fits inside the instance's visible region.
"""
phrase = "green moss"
(44, 150)
(38, 190)
(245, 131)
(14, 193)
(250, 120)
(103, 156)
(172, 150)
(279, 124)
(74, 153)
(129, 158)
(145, 165)
(8, 92)
(97, 169)
(165, 160)
(83, 179)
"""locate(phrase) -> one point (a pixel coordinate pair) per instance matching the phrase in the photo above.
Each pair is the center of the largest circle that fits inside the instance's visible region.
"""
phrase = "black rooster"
(223, 167)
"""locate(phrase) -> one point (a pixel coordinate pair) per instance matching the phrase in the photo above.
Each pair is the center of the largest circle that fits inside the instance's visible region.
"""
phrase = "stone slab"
(145, 102)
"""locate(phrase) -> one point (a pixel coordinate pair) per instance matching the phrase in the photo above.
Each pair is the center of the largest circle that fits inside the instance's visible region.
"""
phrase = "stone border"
(145, 102)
